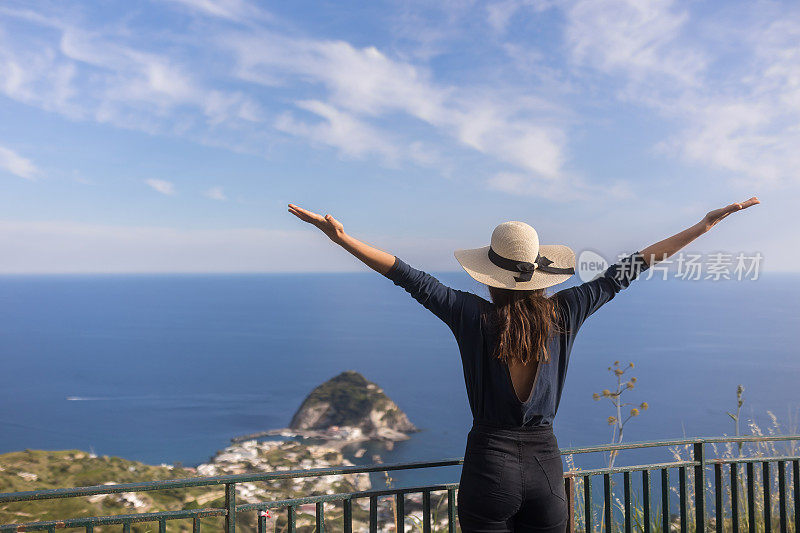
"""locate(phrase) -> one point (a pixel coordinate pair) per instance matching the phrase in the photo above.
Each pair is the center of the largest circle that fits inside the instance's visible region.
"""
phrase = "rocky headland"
(346, 409)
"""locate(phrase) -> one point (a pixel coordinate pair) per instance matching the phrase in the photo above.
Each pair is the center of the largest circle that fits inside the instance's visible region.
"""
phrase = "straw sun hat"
(516, 260)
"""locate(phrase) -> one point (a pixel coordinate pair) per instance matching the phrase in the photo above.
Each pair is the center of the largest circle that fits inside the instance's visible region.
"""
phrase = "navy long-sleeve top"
(490, 390)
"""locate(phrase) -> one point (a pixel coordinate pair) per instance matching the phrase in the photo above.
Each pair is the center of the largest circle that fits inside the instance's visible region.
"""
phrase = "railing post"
(700, 486)
(664, 499)
(451, 512)
(291, 519)
(373, 514)
(570, 487)
(347, 515)
(626, 483)
(607, 501)
(782, 497)
(765, 478)
(320, 517)
(684, 504)
(587, 504)
(718, 505)
(796, 481)
(646, 500)
(230, 507)
(426, 511)
(751, 498)
(401, 511)
(735, 497)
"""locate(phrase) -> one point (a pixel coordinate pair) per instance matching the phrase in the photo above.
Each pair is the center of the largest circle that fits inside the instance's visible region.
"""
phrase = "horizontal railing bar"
(654, 466)
(260, 506)
(656, 443)
(218, 480)
(114, 519)
(632, 468)
(762, 459)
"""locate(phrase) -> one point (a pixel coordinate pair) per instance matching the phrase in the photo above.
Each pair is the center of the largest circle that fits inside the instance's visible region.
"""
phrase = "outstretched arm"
(584, 299)
(663, 249)
(377, 260)
(446, 303)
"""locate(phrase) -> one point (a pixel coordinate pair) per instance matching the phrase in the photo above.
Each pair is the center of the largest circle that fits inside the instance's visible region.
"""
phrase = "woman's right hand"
(327, 224)
(718, 214)
(377, 260)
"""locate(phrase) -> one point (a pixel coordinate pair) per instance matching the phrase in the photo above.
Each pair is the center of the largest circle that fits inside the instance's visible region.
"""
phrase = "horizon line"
(282, 272)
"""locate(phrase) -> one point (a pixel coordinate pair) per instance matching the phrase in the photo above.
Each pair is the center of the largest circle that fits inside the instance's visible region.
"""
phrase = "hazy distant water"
(168, 368)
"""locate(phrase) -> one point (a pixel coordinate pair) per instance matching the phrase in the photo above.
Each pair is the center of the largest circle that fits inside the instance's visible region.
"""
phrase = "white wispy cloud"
(14, 163)
(235, 10)
(749, 129)
(510, 125)
(739, 115)
(353, 137)
(111, 77)
(215, 193)
(164, 187)
(640, 39)
(726, 80)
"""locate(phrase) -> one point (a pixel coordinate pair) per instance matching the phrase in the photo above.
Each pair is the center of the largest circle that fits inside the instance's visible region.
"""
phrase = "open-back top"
(490, 389)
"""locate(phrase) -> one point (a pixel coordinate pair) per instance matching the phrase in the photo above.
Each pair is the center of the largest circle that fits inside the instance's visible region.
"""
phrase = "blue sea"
(167, 368)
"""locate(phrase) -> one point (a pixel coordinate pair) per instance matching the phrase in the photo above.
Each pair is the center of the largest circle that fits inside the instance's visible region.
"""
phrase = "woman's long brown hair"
(523, 320)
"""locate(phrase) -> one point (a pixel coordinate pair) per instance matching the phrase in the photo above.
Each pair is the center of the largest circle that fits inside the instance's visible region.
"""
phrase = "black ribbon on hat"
(525, 268)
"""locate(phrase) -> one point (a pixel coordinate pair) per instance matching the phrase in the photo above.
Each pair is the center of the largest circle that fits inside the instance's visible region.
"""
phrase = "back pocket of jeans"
(485, 469)
(554, 472)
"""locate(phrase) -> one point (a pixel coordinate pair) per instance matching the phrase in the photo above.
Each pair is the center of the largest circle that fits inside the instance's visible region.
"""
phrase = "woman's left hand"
(327, 224)
(711, 219)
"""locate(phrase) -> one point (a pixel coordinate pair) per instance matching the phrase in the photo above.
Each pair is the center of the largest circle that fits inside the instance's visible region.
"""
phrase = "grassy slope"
(74, 468)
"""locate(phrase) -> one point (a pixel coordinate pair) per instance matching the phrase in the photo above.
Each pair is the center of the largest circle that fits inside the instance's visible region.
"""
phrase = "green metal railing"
(788, 516)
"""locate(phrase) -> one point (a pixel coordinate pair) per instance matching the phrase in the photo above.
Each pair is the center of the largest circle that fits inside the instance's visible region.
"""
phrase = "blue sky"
(170, 135)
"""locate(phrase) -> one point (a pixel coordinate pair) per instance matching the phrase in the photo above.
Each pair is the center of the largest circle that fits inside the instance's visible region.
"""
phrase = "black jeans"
(512, 480)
